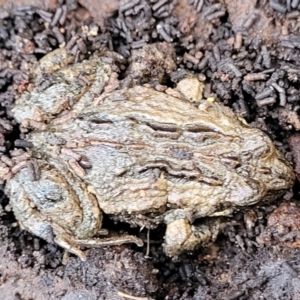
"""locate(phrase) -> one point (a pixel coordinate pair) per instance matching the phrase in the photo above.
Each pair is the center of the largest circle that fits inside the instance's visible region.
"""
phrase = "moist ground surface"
(256, 257)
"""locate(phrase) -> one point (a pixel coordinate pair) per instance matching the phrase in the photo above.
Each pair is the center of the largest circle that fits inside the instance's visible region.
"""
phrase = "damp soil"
(248, 55)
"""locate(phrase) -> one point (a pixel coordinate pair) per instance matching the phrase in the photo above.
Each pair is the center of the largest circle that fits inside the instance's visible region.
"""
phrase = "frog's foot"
(72, 245)
(113, 241)
(182, 236)
(69, 247)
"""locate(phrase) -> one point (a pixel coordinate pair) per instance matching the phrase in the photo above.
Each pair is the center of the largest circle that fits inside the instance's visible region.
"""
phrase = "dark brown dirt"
(240, 11)
(283, 226)
(48, 4)
(39, 274)
(257, 255)
(99, 14)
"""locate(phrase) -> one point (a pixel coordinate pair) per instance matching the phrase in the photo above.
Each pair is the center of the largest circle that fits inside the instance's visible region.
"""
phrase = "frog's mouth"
(273, 195)
(277, 174)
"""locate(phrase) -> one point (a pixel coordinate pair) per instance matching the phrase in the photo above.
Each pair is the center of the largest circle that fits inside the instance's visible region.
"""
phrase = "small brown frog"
(138, 155)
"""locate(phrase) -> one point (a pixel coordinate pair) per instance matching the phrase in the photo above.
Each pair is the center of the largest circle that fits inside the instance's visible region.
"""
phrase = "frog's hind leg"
(182, 236)
(32, 220)
(113, 241)
(72, 245)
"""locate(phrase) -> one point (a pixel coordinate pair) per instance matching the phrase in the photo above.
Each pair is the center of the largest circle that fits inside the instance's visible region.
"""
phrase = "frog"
(136, 154)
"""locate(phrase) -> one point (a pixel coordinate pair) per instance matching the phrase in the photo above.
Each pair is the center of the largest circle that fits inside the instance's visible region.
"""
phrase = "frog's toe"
(112, 241)
(64, 243)
(72, 244)
(182, 236)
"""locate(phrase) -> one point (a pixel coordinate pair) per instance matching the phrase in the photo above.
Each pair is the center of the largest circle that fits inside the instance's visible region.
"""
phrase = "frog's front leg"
(182, 236)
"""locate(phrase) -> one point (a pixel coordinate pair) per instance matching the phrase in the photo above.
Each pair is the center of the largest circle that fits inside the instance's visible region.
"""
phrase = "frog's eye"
(258, 152)
(263, 151)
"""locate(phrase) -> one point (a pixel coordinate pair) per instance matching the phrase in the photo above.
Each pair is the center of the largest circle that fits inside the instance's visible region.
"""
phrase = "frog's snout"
(282, 175)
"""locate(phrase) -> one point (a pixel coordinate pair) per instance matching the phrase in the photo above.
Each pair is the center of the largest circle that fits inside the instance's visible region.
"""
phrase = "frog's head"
(265, 164)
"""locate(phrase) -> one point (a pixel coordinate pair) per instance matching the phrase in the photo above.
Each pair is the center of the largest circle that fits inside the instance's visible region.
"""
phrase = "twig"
(148, 243)
(132, 297)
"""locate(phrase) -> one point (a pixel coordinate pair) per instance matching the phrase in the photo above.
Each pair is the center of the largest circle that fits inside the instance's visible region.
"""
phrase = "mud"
(257, 255)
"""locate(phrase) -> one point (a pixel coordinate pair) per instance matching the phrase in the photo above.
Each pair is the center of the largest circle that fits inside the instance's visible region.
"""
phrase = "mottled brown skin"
(153, 158)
